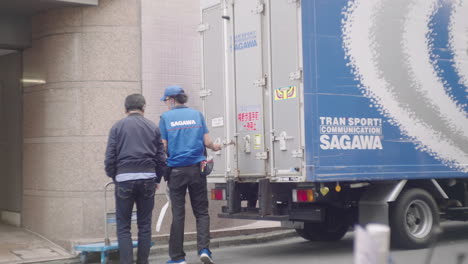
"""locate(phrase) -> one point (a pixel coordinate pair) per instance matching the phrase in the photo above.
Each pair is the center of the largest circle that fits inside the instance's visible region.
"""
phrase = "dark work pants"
(140, 192)
(181, 179)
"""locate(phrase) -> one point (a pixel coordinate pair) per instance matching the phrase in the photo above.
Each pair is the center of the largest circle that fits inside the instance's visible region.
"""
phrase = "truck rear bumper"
(254, 216)
(268, 201)
(297, 214)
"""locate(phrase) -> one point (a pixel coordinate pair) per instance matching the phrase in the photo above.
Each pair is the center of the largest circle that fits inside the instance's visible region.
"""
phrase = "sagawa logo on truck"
(350, 133)
(245, 40)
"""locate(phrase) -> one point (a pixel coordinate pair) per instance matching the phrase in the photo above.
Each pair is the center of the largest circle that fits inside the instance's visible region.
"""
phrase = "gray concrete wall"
(10, 132)
(90, 60)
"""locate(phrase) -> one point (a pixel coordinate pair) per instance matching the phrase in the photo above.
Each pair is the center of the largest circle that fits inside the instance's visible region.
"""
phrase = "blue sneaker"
(205, 256)
(182, 261)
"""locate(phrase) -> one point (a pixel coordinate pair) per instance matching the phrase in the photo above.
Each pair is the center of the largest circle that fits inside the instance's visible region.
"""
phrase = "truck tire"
(414, 218)
(334, 228)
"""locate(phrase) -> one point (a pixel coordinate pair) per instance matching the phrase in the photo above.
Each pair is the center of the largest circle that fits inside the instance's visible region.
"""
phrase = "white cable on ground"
(163, 211)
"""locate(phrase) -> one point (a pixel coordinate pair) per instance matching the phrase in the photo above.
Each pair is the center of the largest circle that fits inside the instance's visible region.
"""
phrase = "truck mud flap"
(307, 215)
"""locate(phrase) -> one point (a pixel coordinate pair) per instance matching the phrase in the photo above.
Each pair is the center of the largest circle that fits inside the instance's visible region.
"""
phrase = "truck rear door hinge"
(261, 156)
(260, 82)
(298, 153)
(205, 92)
(297, 75)
(259, 9)
(203, 27)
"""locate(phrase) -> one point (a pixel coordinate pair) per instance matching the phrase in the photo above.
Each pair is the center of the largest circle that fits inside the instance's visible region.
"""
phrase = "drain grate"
(35, 253)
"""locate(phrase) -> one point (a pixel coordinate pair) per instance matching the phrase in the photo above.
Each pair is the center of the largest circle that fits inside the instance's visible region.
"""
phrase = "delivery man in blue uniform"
(185, 136)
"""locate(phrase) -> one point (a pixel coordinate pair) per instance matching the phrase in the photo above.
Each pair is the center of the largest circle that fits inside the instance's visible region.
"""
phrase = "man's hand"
(157, 186)
(209, 144)
(216, 147)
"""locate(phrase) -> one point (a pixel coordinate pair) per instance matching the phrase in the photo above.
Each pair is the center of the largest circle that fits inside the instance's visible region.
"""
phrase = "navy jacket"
(135, 145)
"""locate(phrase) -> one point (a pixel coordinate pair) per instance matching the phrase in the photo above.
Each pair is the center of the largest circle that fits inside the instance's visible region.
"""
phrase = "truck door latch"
(261, 156)
(282, 140)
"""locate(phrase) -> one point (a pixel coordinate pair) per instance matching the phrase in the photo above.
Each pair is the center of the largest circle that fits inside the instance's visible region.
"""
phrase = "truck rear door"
(250, 83)
(212, 91)
(286, 88)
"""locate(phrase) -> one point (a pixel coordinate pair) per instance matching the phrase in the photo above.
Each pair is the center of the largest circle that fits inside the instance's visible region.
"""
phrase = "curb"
(232, 241)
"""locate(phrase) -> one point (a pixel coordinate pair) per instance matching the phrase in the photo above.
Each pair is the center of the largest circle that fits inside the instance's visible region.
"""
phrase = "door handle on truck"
(247, 148)
(282, 140)
(217, 141)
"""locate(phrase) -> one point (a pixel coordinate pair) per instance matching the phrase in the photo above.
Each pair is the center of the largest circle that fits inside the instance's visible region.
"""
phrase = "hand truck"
(107, 246)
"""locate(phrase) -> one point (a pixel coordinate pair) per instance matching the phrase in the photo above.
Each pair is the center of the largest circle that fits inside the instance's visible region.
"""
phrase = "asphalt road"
(452, 242)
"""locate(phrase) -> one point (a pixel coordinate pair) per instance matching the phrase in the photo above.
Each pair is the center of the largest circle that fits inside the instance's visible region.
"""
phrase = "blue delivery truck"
(337, 112)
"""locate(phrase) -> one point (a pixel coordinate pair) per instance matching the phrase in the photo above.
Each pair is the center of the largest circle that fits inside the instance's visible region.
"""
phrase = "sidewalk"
(21, 246)
(258, 232)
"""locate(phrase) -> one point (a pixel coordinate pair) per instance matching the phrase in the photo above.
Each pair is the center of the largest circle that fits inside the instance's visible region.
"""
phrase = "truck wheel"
(333, 229)
(414, 218)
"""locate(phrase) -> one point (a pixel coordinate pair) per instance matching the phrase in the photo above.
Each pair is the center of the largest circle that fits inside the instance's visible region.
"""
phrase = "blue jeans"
(140, 192)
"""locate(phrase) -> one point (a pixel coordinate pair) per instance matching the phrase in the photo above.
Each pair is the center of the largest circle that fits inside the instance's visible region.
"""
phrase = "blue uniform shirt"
(184, 129)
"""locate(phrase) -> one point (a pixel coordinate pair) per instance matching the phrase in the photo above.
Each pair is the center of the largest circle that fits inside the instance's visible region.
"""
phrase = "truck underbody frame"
(412, 205)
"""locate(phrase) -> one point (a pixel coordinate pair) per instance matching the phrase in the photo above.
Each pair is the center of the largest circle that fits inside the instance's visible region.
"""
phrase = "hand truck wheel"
(84, 257)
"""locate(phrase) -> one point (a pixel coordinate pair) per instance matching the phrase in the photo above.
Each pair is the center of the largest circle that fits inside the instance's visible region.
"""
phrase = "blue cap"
(171, 91)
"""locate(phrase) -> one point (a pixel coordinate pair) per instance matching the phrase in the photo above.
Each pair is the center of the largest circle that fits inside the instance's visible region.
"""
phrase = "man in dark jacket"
(135, 160)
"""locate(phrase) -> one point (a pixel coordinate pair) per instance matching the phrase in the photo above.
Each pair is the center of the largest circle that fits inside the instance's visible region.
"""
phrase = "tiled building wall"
(170, 50)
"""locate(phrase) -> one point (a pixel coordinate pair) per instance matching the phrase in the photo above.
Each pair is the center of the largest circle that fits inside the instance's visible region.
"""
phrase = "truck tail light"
(303, 195)
(218, 194)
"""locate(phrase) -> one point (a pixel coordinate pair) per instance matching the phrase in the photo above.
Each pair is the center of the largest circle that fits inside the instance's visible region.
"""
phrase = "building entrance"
(10, 137)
